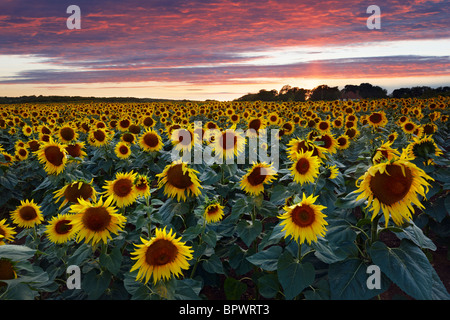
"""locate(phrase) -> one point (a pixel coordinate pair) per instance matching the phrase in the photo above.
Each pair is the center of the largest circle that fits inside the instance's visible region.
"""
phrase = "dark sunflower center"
(74, 150)
(148, 122)
(304, 147)
(177, 178)
(72, 193)
(323, 126)
(255, 124)
(302, 166)
(128, 137)
(96, 218)
(213, 209)
(54, 155)
(409, 127)
(151, 140)
(63, 227)
(123, 149)
(257, 176)
(67, 134)
(327, 142)
(99, 135)
(342, 141)
(392, 185)
(6, 271)
(124, 123)
(161, 252)
(303, 215)
(122, 187)
(27, 213)
(228, 140)
(375, 118)
(424, 149)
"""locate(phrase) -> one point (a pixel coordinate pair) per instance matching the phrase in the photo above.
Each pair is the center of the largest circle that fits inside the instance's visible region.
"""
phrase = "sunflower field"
(101, 200)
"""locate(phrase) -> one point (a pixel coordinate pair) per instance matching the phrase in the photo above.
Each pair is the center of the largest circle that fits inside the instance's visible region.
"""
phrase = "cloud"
(206, 42)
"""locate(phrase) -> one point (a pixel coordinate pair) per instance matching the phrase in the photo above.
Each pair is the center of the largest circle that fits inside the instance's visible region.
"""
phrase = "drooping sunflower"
(59, 229)
(304, 221)
(95, 221)
(298, 145)
(229, 143)
(256, 177)
(122, 189)
(424, 148)
(142, 186)
(213, 212)
(53, 155)
(75, 190)
(7, 271)
(393, 188)
(161, 257)
(385, 153)
(6, 232)
(179, 180)
(122, 150)
(27, 215)
(150, 140)
(305, 168)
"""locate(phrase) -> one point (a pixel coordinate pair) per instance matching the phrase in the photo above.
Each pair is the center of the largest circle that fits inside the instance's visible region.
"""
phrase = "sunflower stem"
(374, 229)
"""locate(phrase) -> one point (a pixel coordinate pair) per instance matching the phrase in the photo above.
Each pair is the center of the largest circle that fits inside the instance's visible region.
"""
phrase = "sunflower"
(150, 141)
(304, 221)
(377, 119)
(298, 145)
(95, 221)
(424, 148)
(254, 125)
(122, 150)
(324, 126)
(305, 168)
(75, 190)
(21, 153)
(178, 179)
(9, 159)
(60, 229)
(67, 133)
(27, 215)
(6, 232)
(343, 142)
(122, 189)
(255, 178)
(98, 137)
(385, 153)
(183, 139)
(76, 150)
(409, 127)
(142, 186)
(161, 257)
(331, 172)
(327, 141)
(53, 156)
(7, 271)
(213, 212)
(229, 143)
(393, 187)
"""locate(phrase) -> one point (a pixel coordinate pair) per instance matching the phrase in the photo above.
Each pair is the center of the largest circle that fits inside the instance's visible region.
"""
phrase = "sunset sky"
(218, 49)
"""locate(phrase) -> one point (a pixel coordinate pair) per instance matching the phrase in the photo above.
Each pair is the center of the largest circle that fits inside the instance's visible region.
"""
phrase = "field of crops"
(224, 200)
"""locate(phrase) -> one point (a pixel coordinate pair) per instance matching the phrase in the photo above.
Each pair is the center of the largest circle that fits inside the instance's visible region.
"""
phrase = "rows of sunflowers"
(96, 186)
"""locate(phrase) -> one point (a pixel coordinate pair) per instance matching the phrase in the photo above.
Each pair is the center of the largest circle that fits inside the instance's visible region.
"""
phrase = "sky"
(219, 49)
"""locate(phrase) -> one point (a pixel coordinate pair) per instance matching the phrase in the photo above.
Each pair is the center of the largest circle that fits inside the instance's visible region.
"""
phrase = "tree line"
(327, 93)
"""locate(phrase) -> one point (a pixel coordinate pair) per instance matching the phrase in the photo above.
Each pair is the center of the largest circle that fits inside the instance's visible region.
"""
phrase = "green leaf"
(95, 284)
(248, 231)
(240, 207)
(213, 265)
(266, 259)
(407, 266)
(112, 261)
(16, 252)
(188, 289)
(268, 285)
(82, 252)
(348, 281)
(293, 275)
(234, 289)
(416, 235)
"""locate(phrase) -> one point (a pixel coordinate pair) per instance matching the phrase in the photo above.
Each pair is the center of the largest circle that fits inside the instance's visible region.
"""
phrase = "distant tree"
(324, 92)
